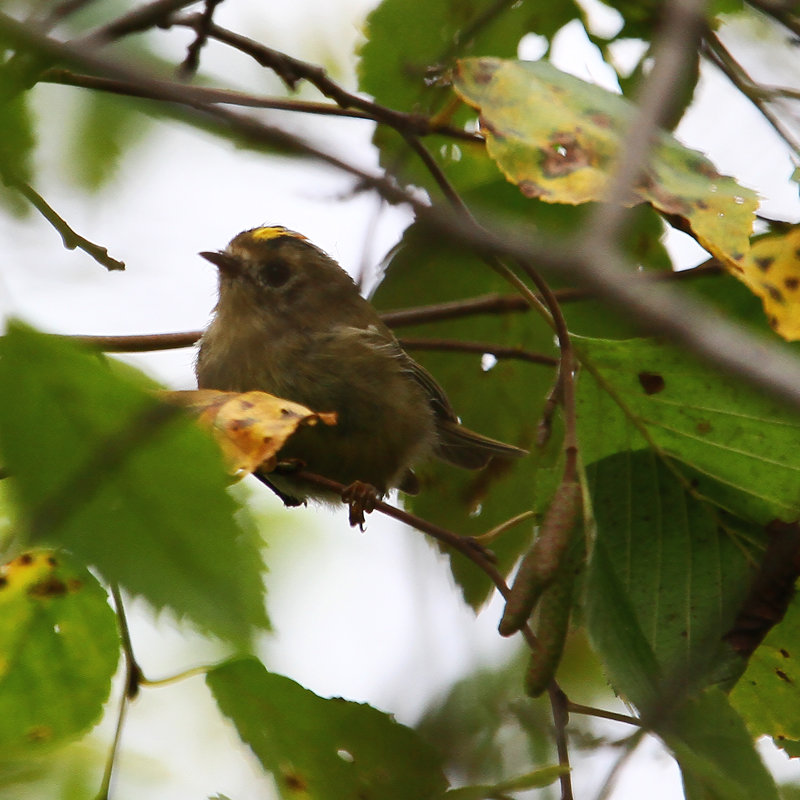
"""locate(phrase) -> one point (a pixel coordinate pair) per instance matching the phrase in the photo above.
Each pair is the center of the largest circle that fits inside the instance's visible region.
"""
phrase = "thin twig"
(108, 769)
(630, 748)
(292, 70)
(131, 685)
(69, 237)
(722, 59)
(192, 60)
(499, 352)
(506, 303)
(136, 21)
(557, 697)
(590, 711)
(452, 196)
(198, 94)
(139, 343)
(558, 704)
(781, 12)
(682, 25)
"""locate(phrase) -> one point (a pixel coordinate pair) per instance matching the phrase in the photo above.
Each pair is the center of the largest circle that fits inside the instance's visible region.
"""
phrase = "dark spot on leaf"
(39, 733)
(485, 71)
(784, 653)
(737, 256)
(564, 156)
(783, 676)
(50, 587)
(246, 405)
(773, 322)
(797, 253)
(791, 283)
(704, 426)
(242, 424)
(294, 782)
(773, 292)
(694, 483)
(3, 581)
(764, 262)
(601, 119)
(651, 382)
(701, 204)
(25, 558)
(51, 560)
(705, 168)
(531, 189)
(73, 584)
(668, 202)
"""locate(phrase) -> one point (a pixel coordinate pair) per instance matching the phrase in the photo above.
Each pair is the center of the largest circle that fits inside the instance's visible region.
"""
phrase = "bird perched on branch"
(290, 321)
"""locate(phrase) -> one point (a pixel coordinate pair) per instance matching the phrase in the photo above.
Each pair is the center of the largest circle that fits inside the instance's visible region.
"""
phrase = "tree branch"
(69, 237)
(499, 352)
(292, 70)
(722, 59)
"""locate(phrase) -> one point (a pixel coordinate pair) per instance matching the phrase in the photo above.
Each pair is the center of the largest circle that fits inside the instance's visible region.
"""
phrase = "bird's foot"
(360, 498)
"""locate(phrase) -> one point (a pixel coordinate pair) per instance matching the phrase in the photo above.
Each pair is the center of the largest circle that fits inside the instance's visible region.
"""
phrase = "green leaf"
(558, 138)
(105, 127)
(402, 60)
(503, 402)
(716, 755)
(768, 694)
(665, 581)
(328, 749)
(735, 444)
(532, 780)
(131, 487)
(400, 55)
(59, 646)
(16, 144)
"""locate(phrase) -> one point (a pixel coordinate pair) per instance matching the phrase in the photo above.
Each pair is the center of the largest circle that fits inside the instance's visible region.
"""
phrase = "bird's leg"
(360, 498)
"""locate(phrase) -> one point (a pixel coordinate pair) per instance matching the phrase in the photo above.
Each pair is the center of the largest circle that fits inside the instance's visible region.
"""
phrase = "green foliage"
(715, 752)
(59, 641)
(566, 155)
(105, 129)
(330, 749)
(16, 144)
(423, 271)
(100, 467)
(665, 580)
(732, 439)
(766, 695)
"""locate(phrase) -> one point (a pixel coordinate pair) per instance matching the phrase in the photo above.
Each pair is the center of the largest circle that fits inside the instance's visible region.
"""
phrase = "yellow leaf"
(558, 138)
(771, 270)
(250, 427)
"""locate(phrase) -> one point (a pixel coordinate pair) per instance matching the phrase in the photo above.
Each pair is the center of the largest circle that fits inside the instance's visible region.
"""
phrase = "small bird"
(290, 321)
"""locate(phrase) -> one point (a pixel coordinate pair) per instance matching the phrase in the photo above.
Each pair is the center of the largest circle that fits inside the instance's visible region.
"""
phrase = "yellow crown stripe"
(275, 232)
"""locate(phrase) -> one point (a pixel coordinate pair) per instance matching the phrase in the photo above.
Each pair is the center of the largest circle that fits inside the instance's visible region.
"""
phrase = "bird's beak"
(226, 264)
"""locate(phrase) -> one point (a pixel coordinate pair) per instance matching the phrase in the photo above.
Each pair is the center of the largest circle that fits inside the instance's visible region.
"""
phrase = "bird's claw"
(360, 498)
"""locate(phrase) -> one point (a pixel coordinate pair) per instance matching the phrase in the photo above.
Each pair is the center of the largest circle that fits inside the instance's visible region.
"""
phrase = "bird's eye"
(275, 273)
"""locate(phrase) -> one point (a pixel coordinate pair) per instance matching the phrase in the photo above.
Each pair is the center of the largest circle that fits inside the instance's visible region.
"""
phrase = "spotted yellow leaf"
(771, 270)
(558, 138)
(251, 427)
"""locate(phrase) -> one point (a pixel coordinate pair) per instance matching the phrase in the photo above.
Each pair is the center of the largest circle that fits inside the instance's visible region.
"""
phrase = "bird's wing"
(456, 444)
